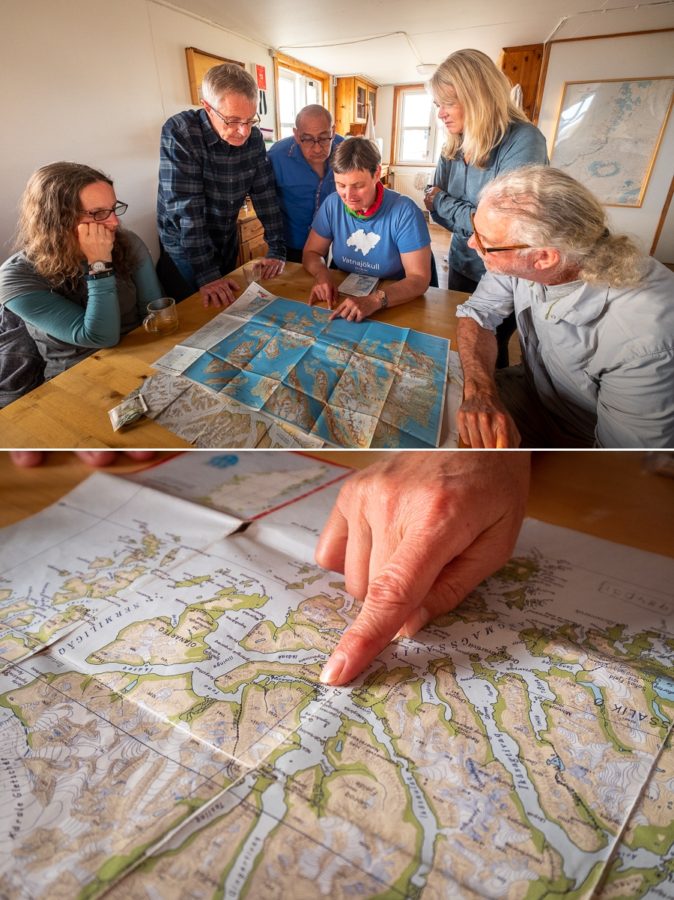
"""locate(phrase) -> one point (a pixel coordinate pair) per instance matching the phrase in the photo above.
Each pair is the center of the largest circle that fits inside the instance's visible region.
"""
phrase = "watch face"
(98, 266)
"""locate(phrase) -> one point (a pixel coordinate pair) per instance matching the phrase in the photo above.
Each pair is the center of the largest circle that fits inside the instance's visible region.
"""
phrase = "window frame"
(397, 132)
(281, 61)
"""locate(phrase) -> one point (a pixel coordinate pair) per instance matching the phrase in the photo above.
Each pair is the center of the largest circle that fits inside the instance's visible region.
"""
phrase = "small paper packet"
(128, 411)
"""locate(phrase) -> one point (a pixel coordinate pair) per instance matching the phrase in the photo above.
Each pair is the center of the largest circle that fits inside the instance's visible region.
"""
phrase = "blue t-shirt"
(373, 246)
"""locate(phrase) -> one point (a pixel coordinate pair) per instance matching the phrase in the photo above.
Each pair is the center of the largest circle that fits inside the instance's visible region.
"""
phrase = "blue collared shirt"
(203, 182)
(300, 190)
(601, 358)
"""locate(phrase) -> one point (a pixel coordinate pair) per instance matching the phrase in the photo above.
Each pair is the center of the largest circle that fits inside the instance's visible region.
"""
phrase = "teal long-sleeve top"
(67, 327)
(460, 184)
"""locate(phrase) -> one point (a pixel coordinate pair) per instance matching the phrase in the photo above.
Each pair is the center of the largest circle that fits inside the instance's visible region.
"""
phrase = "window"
(297, 85)
(419, 134)
(294, 92)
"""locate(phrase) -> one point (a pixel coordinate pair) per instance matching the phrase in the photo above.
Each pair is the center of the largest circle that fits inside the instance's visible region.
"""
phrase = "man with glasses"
(595, 319)
(303, 174)
(210, 160)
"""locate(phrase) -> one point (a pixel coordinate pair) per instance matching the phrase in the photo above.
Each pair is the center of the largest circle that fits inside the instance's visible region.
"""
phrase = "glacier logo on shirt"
(363, 241)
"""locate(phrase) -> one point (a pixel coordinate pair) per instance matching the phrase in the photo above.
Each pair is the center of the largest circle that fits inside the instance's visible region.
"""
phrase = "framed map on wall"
(608, 133)
(198, 63)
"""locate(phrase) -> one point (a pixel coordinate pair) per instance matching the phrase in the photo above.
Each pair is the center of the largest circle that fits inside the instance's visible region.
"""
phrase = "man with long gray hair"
(210, 159)
(595, 319)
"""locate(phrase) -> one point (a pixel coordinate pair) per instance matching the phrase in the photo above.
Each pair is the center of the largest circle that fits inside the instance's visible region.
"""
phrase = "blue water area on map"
(243, 344)
(383, 341)
(292, 316)
(280, 355)
(211, 372)
(664, 688)
(250, 389)
(318, 371)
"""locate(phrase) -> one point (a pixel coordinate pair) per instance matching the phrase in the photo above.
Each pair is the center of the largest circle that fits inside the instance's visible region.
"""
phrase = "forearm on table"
(406, 289)
(98, 325)
(315, 265)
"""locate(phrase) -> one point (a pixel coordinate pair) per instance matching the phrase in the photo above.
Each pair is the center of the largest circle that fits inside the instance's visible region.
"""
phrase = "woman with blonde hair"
(486, 135)
(77, 283)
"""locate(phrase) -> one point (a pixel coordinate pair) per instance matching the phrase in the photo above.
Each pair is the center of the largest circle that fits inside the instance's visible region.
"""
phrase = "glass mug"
(162, 316)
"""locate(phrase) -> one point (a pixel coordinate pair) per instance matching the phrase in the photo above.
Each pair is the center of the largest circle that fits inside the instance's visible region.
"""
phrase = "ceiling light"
(426, 69)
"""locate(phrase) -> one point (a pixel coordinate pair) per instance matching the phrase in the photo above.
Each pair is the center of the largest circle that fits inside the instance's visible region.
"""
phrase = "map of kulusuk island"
(171, 737)
(348, 384)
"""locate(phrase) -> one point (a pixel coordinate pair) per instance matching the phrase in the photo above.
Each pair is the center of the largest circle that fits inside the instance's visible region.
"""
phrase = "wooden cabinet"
(251, 235)
(352, 96)
(523, 65)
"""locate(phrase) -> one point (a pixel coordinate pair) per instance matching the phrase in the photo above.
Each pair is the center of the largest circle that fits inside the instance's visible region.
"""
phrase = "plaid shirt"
(203, 182)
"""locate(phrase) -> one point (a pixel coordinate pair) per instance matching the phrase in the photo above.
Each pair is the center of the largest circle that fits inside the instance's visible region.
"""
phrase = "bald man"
(304, 179)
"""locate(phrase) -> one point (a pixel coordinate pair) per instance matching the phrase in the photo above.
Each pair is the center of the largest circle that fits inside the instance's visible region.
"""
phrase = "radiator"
(411, 182)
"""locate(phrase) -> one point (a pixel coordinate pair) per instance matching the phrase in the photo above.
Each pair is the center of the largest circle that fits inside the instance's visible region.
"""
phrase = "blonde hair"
(49, 211)
(484, 93)
(545, 207)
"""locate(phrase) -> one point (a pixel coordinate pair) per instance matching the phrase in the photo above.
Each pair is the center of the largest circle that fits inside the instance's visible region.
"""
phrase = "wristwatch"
(383, 298)
(100, 269)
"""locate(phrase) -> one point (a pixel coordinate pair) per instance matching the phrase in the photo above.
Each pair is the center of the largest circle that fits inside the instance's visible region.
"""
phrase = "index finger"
(398, 590)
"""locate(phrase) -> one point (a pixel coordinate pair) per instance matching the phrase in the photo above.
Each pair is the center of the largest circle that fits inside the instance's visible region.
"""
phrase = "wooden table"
(606, 494)
(71, 410)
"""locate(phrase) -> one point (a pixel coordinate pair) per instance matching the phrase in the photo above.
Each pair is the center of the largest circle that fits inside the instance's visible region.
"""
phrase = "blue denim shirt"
(523, 144)
(599, 357)
(300, 191)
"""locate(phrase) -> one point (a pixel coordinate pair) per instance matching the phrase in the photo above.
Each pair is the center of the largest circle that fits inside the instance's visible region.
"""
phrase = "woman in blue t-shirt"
(372, 230)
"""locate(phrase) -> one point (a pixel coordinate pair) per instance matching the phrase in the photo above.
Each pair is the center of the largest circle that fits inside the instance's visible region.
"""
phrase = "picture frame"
(608, 133)
(198, 63)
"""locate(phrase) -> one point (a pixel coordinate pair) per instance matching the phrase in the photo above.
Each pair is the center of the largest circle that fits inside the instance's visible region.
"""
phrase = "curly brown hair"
(48, 215)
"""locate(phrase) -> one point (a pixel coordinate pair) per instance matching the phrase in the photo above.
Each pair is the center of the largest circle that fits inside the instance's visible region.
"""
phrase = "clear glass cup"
(252, 270)
(162, 316)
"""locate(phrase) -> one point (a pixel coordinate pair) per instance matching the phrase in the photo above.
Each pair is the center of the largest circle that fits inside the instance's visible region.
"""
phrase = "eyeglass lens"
(100, 215)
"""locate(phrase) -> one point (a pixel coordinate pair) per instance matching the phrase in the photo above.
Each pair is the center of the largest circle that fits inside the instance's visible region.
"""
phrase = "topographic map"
(348, 384)
(608, 132)
(172, 739)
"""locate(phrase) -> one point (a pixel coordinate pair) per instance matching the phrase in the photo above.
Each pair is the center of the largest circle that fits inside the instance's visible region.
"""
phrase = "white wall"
(634, 56)
(92, 81)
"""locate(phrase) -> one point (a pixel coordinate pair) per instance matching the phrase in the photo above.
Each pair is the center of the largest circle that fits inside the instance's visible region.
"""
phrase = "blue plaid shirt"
(203, 182)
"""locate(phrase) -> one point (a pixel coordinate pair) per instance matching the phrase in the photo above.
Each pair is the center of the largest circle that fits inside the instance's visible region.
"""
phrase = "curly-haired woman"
(78, 281)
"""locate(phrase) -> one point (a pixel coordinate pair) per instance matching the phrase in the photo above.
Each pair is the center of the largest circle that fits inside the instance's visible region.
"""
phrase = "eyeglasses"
(307, 140)
(481, 247)
(100, 215)
(235, 123)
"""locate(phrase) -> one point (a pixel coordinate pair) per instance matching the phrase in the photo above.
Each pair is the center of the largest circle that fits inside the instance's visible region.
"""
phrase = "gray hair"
(545, 207)
(313, 109)
(228, 78)
(356, 154)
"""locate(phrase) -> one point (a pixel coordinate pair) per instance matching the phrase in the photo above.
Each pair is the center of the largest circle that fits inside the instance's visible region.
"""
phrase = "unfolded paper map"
(171, 737)
(348, 384)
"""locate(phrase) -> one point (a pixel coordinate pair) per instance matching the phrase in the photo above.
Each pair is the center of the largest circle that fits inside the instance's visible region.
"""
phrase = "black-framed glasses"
(235, 123)
(100, 215)
(307, 140)
(481, 247)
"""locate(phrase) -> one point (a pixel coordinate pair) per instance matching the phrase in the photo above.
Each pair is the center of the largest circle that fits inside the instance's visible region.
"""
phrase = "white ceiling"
(386, 39)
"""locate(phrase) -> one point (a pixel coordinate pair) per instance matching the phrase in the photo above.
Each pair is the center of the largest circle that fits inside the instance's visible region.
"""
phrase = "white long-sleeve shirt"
(601, 358)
